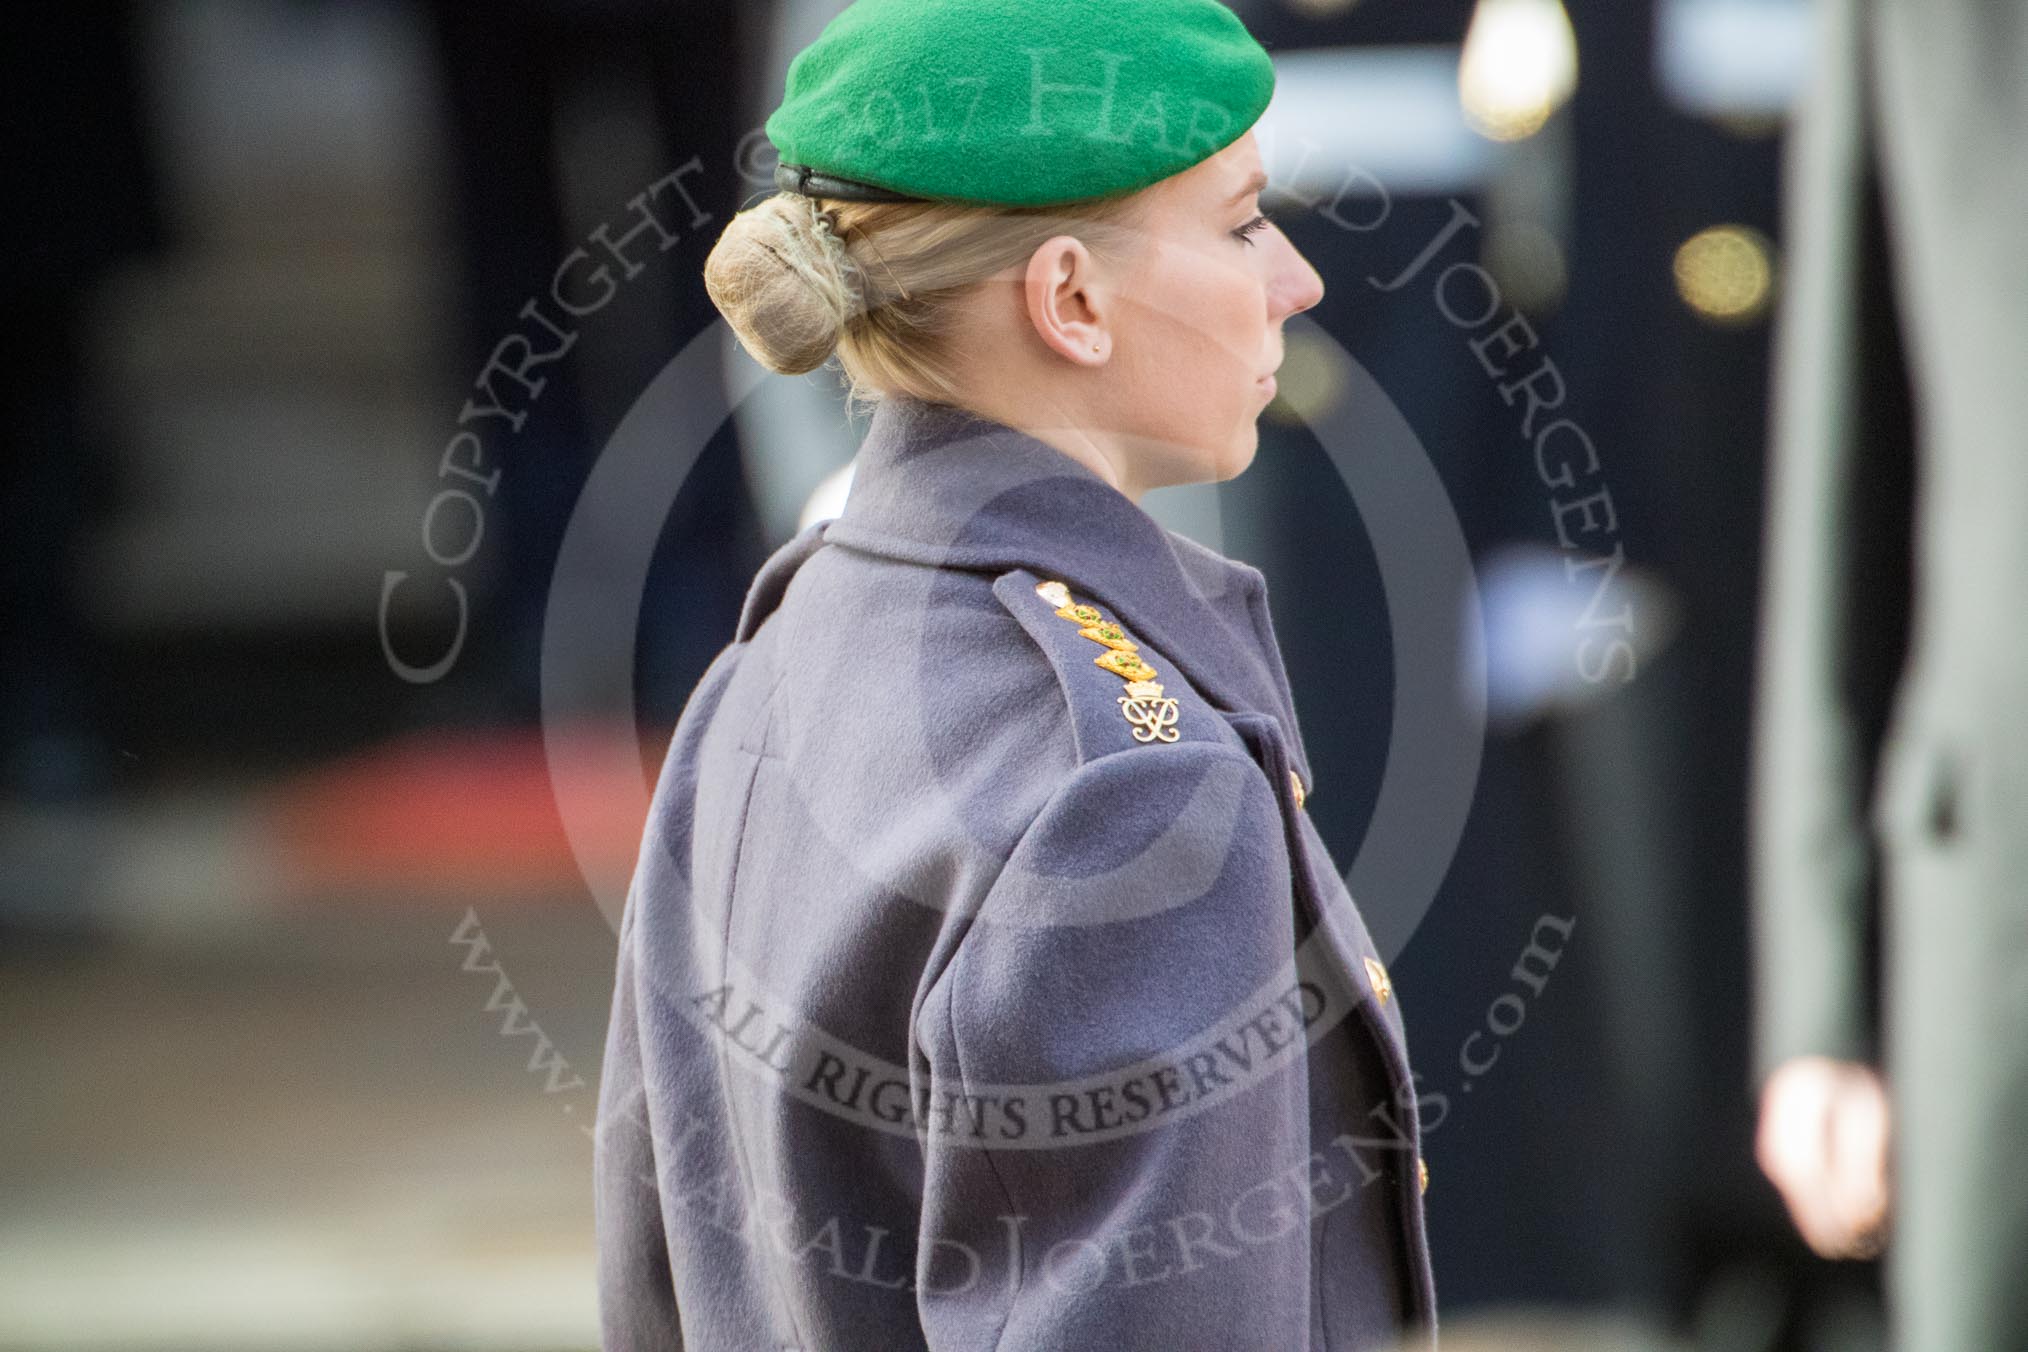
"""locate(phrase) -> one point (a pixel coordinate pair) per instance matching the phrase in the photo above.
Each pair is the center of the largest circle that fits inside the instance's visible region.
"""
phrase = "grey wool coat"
(983, 982)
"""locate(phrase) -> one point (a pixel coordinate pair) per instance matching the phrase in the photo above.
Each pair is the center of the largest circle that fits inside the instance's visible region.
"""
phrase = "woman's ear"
(1066, 301)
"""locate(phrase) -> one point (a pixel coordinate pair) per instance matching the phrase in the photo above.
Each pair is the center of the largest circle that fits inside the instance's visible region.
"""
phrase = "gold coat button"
(1422, 1172)
(1375, 973)
(1296, 786)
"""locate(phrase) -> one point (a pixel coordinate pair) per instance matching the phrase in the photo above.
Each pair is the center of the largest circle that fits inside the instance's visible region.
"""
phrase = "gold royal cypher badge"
(1152, 714)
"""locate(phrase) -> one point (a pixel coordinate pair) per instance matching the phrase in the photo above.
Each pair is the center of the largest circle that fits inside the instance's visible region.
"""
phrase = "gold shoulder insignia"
(1152, 714)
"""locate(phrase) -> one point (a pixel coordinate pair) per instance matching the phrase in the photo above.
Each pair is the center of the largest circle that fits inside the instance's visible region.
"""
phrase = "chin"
(1248, 442)
(1239, 452)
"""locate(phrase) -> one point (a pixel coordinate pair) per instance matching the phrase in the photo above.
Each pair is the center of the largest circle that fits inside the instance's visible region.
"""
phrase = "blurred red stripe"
(459, 812)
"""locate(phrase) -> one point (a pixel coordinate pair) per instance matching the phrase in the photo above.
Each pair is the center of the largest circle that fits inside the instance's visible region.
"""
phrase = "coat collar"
(939, 485)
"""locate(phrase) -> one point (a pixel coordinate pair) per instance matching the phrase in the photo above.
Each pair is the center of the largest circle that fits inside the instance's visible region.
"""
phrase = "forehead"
(1215, 180)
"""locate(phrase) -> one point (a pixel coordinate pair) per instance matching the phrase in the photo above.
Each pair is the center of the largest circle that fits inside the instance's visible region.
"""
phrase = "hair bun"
(785, 282)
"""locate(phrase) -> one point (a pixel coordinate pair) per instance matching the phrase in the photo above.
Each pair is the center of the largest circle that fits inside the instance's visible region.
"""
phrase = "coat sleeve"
(636, 1294)
(1113, 1173)
(1810, 850)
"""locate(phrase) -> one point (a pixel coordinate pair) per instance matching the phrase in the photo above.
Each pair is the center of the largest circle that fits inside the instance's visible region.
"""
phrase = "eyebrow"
(1253, 185)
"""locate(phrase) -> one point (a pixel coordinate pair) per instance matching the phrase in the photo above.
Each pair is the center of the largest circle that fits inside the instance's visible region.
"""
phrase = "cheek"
(1206, 319)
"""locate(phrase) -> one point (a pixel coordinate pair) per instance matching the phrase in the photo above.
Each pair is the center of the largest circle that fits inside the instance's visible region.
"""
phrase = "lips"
(1267, 381)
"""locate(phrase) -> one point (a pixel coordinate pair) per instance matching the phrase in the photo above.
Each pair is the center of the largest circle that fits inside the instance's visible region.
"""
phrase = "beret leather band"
(801, 178)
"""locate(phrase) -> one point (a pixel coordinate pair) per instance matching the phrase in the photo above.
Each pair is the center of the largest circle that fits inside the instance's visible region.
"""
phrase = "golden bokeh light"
(1725, 273)
(1518, 66)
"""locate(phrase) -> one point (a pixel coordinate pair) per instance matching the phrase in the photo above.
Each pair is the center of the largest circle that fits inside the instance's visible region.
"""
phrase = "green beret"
(1015, 102)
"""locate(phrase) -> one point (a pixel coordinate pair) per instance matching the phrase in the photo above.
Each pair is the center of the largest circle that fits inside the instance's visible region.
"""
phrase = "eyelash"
(1259, 222)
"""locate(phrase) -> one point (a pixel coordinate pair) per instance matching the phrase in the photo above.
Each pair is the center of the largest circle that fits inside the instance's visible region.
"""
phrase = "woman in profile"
(983, 982)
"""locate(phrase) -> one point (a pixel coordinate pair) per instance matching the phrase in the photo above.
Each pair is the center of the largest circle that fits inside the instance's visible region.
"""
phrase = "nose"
(1296, 285)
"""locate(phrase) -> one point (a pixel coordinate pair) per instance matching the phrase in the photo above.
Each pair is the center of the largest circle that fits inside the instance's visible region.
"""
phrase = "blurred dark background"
(324, 314)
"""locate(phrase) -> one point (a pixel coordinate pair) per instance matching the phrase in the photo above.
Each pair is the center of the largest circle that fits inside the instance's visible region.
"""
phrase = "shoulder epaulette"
(1151, 714)
(1106, 715)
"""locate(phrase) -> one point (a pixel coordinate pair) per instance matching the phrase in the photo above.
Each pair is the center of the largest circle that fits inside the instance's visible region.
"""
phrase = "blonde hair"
(800, 278)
